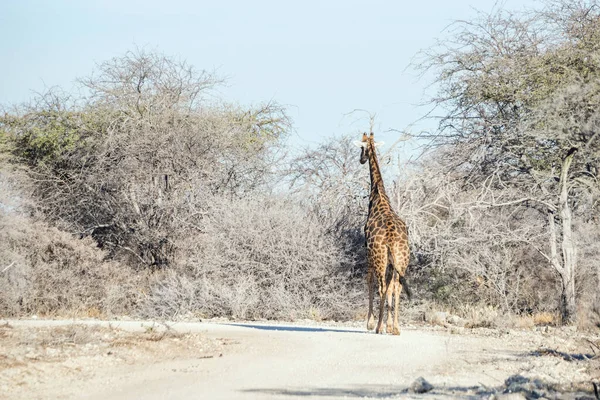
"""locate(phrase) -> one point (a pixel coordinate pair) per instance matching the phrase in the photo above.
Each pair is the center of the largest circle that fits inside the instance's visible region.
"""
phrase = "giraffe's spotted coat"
(386, 239)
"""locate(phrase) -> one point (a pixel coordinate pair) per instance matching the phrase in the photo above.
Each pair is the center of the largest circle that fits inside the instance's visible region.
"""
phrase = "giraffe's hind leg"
(392, 293)
(383, 289)
(399, 257)
(396, 328)
(370, 317)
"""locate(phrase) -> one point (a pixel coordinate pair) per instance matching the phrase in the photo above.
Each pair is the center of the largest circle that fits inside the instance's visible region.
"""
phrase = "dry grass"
(475, 316)
(545, 318)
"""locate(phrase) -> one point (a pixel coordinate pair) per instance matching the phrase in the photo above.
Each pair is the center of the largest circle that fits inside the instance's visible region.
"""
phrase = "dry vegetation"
(150, 197)
(54, 274)
(169, 204)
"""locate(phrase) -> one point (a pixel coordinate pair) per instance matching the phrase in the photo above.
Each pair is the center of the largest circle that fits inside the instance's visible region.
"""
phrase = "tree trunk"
(568, 307)
(569, 251)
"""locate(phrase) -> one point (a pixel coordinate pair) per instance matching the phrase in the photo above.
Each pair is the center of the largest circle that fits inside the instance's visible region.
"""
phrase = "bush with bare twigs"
(136, 159)
(519, 95)
(261, 257)
(177, 189)
(46, 271)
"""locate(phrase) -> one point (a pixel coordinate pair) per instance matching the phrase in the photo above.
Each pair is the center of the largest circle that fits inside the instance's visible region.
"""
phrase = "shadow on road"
(515, 384)
(295, 328)
(375, 392)
(564, 356)
(359, 392)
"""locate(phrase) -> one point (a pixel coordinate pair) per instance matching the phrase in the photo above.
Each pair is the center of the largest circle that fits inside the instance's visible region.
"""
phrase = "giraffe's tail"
(391, 265)
(406, 287)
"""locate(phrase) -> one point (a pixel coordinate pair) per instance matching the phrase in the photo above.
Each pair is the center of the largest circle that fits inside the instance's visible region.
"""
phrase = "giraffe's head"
(367, 144)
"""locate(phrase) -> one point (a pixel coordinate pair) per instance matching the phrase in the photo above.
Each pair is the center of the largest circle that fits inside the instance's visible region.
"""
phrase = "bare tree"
(518, 95)
(329, 181)
(142, 152)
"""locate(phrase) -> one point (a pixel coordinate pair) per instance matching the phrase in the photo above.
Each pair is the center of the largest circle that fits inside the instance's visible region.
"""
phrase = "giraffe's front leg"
(377, 258)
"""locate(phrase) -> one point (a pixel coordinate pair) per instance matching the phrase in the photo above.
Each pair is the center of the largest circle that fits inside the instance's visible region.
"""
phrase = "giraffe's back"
(386, 228)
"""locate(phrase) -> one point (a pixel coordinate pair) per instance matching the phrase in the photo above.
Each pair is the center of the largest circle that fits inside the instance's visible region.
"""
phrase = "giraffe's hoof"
(396, 331)
(371, 324)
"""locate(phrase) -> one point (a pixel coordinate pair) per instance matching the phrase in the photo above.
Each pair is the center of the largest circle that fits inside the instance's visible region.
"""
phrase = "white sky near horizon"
(321, 59)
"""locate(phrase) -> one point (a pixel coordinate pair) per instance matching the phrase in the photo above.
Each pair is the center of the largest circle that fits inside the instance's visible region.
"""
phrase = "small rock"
(420, 385)
(516, 380)
(530, 388)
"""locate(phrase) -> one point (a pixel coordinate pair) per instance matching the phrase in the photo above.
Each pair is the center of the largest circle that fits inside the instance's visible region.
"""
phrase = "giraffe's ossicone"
(386, 238)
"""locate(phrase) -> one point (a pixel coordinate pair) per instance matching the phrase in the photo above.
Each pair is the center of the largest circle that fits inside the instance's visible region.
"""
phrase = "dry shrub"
(481, 317)
(524, 322)
(48, 272)
(545, 318)
(468, 249)
(435, 317)
(478, 316)
(265, 257)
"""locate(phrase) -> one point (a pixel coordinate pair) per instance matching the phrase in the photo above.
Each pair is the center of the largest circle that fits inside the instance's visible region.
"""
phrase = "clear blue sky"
(322, 59)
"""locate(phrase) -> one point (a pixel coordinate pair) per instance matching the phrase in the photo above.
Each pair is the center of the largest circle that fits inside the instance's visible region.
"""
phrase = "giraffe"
(386, 238)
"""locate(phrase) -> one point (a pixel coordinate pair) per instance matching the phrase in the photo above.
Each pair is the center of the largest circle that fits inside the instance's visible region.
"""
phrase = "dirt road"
(250, 361)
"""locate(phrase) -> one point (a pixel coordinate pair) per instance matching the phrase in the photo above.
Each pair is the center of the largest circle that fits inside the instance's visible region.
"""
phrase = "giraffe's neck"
(378, 196)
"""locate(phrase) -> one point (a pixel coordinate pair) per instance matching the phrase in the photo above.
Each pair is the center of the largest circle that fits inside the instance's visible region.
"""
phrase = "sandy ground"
(145, 360)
